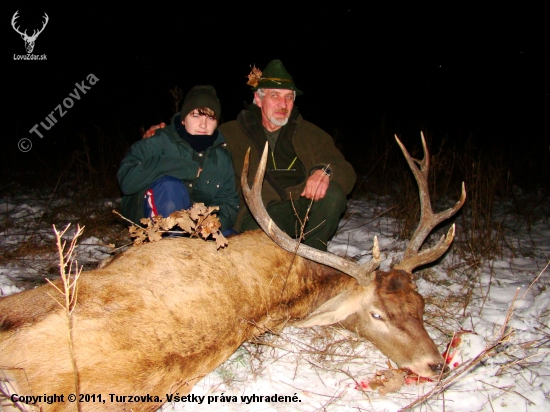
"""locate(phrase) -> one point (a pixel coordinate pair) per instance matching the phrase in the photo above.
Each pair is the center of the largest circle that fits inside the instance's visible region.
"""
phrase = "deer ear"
(336, 309)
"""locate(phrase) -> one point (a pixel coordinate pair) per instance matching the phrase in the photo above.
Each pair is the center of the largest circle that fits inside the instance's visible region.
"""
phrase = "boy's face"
(198, 124)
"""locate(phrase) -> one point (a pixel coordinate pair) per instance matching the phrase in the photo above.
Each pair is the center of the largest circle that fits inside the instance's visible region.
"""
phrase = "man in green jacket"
(181, 164)
(304, 167)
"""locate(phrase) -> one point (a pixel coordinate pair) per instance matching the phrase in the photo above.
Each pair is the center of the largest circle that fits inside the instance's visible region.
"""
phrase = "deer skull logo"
(29, 40)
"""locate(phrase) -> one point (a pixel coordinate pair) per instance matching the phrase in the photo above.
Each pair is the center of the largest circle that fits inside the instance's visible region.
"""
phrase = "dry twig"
(70, 272)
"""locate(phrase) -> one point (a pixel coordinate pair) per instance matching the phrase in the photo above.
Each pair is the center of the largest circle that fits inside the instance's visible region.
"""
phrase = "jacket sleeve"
(149, 159)
(227, 198)
(322, 152)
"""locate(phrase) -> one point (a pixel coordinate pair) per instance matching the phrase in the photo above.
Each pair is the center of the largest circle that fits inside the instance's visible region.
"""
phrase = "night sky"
(452, 69)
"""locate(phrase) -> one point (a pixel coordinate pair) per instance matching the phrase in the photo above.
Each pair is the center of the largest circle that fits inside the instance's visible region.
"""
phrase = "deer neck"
(307, 287)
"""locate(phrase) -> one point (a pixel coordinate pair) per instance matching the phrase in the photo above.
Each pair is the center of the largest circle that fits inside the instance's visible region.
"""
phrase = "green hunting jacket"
(168, 154)
(314, 148)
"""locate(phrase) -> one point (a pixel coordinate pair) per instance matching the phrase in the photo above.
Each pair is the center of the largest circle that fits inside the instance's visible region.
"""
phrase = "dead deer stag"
(161, 316)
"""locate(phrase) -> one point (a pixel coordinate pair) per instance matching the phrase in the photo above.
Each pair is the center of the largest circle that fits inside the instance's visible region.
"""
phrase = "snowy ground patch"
(330, 368)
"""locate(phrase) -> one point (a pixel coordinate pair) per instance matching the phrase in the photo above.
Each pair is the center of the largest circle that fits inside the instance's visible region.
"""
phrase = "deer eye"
(376, 316)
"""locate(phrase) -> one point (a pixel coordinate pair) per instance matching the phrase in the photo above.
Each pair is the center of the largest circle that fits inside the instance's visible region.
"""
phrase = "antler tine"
(362, 273)
(428, 220)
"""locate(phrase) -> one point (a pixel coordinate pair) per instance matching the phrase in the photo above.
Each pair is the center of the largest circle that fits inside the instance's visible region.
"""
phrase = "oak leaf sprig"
(254, 76)
(198, 221)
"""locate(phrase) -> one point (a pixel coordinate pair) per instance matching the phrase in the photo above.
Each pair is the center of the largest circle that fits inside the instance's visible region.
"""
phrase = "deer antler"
(35, 33)
(43, 26)
(428, 220)
(15, 16)
(362, 273)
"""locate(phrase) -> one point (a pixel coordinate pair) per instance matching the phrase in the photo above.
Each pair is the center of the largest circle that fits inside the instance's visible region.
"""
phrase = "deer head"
(29, 40)
(385, 308)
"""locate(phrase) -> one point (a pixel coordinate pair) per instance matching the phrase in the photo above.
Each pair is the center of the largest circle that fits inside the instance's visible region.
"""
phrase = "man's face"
(276, 107)
(198, 124)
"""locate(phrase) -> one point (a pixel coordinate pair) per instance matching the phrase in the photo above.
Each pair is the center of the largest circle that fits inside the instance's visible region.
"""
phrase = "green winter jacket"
(168, 154)
(314, 148)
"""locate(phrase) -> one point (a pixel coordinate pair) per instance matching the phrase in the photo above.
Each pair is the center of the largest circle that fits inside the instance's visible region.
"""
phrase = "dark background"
(455, 70)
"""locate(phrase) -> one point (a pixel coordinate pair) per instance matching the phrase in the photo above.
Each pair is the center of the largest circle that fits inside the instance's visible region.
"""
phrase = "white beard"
(277, 122)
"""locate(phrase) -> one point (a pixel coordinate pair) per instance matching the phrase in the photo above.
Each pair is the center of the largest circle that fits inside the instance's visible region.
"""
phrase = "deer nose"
(439, 367)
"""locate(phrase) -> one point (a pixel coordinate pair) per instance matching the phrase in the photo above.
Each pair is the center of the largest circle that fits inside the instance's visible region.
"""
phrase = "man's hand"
(316, 185)
(153, 129)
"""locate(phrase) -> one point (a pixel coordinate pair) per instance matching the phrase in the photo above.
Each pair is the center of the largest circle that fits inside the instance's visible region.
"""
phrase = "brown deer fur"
(165, 314)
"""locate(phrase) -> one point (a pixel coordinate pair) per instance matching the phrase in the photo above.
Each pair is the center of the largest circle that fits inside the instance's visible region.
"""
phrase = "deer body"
(158, 328)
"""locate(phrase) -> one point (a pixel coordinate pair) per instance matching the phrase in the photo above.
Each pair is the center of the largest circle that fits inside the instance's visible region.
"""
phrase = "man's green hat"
(274, 76)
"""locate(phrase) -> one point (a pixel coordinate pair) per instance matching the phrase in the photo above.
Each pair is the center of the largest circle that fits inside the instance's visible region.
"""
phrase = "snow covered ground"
(329, 368)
